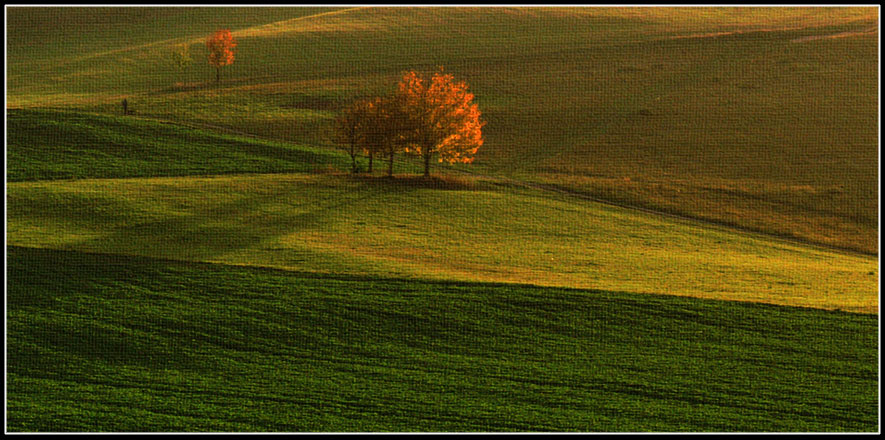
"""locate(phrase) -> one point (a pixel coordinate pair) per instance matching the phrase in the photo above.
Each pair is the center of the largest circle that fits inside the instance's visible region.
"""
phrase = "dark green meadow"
(115, 343)
(52, 144)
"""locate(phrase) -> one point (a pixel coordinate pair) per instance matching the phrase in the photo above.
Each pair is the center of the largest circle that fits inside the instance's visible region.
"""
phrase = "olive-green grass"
(760, 118)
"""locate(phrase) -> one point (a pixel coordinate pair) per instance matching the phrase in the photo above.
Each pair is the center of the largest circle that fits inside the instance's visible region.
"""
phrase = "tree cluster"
(433, 118)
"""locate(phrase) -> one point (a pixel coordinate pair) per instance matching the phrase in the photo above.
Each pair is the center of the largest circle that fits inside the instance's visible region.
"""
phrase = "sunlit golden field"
(335, 224)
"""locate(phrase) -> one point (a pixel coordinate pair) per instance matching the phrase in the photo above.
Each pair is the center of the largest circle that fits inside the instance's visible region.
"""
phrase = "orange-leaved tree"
(221, 46)
(443, 120)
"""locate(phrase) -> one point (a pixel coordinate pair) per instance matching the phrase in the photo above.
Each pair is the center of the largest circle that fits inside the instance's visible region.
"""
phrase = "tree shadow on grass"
(208, 231)
(228, 220)
(406, 182)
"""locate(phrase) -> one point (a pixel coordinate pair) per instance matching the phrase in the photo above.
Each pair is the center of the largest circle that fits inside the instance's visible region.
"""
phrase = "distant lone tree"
(181, 56)
(442, 120)
(221, 46)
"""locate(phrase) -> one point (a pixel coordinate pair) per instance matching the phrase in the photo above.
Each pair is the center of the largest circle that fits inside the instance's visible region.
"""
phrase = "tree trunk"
(371, 160)
(218, 74)
(390, 165)
(352, 157)
(427, 164)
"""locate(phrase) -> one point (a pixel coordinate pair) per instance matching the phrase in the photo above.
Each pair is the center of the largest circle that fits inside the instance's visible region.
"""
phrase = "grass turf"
(473, 230)
(751, 117)
(748, 119)
(51, 145)
(114, 343)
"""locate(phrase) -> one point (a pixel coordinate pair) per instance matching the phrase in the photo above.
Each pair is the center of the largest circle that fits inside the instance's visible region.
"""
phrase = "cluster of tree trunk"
(431, 118)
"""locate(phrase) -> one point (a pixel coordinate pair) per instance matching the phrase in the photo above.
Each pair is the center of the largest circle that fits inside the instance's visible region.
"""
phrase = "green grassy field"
(672, 225)
(53, 145)
(111, 343)
(730, 115)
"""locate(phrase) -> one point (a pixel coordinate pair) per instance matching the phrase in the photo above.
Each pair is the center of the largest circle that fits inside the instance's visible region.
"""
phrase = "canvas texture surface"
(428, 219)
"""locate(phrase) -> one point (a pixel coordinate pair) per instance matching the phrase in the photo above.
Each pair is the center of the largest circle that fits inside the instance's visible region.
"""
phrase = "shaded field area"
(115, 343)
(52, 144)
(672, 224)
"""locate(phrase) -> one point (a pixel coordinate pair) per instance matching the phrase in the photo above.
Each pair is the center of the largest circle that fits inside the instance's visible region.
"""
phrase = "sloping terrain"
(672, 225)
(743, 116)
(52, 145)
(469, 231)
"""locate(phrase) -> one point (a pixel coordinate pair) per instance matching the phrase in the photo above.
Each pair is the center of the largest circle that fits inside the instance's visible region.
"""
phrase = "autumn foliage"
(443, 120)
(430, 118)
(389, 132)
(350, 130)
(221, 46)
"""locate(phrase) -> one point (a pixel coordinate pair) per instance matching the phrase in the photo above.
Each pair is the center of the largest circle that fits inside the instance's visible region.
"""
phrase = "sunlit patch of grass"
(379, 320)
(838, 218)
(411, 228)
(333, 21)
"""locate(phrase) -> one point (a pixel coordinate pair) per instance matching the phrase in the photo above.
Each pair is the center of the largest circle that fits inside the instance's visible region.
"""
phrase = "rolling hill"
(672, 224)
(763, 118)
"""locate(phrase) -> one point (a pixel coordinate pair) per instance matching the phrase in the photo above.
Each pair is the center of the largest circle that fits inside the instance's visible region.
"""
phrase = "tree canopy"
(221, 46)
(430, 118)
(443, 120)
